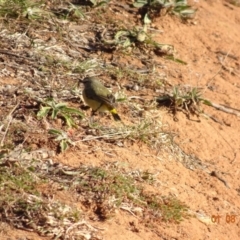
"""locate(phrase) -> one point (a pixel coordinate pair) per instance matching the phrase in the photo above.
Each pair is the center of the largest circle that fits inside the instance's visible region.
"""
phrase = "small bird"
(98, 97)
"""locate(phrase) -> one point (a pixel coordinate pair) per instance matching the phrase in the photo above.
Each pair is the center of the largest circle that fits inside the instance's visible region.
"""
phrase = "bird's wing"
(109, 99)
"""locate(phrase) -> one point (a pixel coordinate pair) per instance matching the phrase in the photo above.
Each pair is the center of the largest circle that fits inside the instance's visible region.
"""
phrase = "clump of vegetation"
(108, 187)
(137, 37)
(148, 131)
(23, 8)
(98, 3)
(100, 189)
(63, 138)
(50, 107)
(187, 101)
(155, 7)
(168, 209)
(38, 10)
(69, 11)
(22, 205)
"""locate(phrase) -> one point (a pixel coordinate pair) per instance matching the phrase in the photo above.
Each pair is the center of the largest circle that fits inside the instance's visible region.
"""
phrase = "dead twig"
(128, 209)
(215, 174)
(226, 109)
(7, 52)
(75, 225)
(9, 118)
(229, 55)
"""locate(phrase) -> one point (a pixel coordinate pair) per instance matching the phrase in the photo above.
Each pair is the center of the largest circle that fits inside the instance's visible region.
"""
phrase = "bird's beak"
(80, 81)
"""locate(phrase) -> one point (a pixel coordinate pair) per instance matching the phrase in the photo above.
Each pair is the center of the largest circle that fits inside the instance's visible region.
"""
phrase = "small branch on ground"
(9, 118)
(226, 109)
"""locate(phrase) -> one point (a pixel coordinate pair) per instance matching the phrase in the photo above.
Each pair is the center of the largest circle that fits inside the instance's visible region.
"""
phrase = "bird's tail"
(115, 114)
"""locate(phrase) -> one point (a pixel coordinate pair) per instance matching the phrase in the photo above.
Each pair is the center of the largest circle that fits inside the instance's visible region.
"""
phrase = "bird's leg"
(91, 120)
(93, 113)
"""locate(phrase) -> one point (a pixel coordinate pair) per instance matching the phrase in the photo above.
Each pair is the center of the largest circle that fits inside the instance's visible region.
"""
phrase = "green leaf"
(120, 34)
(171, 57)
(79, 14)
(54, 131)
(127, 43)
(168, 5)
(139, 4)
(63, 145)
(146, 19)
(101, 3)
(54, 113)
(69, 121)
(181, 3)
(175, 92)
(74, 111)
(43, 112)
(141, 36)
(60, 105)
(94, 2)
(206, 102)
(189, 13)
